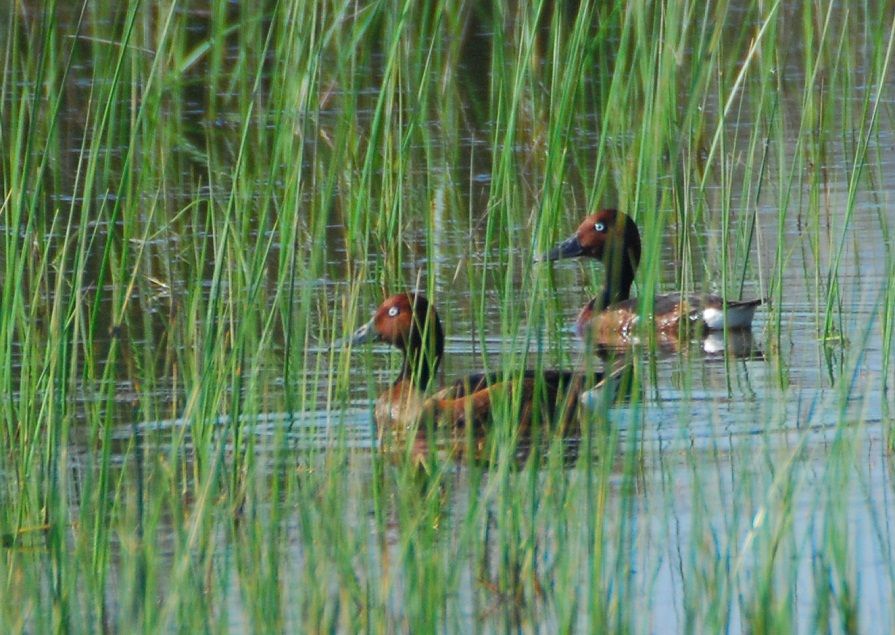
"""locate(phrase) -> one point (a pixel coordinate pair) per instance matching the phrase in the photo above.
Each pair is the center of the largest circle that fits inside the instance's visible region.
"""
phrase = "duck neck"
(619, 278)
(422, 356)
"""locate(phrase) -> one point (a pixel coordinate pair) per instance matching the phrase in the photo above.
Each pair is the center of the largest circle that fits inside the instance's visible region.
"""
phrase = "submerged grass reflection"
(199, 203)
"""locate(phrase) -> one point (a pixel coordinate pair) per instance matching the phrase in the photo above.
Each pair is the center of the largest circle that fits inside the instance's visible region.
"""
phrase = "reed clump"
(198, 202)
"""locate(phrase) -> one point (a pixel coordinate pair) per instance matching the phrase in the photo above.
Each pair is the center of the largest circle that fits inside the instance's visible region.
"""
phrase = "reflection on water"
(712, 408)
(734, 343)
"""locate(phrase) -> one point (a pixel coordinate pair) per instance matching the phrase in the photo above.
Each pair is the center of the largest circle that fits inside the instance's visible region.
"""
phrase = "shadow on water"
(711, 412)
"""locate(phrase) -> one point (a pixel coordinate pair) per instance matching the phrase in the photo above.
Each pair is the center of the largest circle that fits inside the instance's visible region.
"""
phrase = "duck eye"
(600, 227)
(393, 311)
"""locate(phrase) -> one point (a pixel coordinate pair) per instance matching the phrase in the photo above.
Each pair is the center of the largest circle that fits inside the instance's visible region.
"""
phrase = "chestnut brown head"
(408, 322)
(391, 322)
(600, 235)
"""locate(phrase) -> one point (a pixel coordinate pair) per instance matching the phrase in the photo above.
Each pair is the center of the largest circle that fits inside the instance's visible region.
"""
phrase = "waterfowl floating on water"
(613, 238)
(410, 323)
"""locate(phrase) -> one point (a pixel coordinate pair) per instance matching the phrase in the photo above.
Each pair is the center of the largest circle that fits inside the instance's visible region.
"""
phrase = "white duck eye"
(393, 311)
(600, 227)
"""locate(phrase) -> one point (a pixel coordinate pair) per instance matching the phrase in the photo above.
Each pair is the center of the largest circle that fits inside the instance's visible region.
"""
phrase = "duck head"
(597, 236)
(409, 323)
(611, 237)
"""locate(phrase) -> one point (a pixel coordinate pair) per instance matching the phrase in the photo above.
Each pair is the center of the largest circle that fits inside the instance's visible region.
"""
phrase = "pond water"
(707, 420)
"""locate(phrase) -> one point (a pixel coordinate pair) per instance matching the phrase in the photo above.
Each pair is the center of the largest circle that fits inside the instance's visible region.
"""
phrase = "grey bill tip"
(569, 248)
(364, 334)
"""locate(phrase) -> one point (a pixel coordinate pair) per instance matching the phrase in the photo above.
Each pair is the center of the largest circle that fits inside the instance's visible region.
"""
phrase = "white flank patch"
(713, 318)
(737, 317)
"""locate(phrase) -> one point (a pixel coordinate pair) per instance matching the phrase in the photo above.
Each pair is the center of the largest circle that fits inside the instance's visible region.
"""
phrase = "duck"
(612, 237)
(410, 323)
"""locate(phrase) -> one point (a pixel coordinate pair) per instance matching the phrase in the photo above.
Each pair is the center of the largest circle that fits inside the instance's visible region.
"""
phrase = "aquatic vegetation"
(199, 202)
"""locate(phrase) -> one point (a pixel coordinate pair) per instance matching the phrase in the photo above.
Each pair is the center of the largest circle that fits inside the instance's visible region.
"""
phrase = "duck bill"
(366, 333)
(569, 248)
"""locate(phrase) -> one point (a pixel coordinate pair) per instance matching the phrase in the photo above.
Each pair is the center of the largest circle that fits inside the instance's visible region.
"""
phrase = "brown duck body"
(548, 397)
(410, 323)
(672, 314)
(613, 238)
